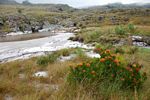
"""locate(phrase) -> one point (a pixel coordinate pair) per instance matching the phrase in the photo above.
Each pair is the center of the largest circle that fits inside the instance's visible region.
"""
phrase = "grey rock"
(101, 18)
(146, 40)
(1, 22)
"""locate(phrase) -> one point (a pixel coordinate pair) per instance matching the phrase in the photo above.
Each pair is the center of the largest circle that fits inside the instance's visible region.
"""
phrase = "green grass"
(53, 57)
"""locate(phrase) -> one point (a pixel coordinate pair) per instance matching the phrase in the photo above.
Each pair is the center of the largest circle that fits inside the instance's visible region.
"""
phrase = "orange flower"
(98, 49)
(93, 72)
(128, 68)
(107, 51)
(116, 61)
(113, 55)
(81, 64)
(84, 71)
(102, 60)
(88, 65)
(137, 69)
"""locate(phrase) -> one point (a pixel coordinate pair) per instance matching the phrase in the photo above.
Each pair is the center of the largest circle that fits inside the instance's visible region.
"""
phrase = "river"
(10, 51)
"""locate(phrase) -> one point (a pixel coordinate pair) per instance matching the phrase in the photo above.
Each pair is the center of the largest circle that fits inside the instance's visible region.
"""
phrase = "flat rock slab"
(41, 74)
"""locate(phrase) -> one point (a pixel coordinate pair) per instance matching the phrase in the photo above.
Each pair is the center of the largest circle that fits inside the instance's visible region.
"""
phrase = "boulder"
(1, 22)
(137, 39)
(34, 29)
(101, 18)
(146, 40)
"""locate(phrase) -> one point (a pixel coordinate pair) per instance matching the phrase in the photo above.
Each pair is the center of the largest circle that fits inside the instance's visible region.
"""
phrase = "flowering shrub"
(110, 68)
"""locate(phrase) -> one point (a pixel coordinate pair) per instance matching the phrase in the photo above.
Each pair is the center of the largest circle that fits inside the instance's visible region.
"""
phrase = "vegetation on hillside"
(35, 15)
(122, 72)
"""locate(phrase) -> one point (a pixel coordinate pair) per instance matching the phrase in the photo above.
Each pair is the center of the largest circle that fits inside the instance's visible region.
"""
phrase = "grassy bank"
(111, 34)
(18, 82)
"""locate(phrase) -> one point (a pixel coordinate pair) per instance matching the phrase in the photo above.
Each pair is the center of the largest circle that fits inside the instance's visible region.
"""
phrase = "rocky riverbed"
(141, 41)
(25, 49)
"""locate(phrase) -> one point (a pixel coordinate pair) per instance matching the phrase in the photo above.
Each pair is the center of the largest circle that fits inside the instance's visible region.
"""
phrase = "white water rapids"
(10, 51)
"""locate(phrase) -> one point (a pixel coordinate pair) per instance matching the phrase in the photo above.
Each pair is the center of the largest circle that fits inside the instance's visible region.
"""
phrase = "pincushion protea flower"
(88, 65)
(102, 60)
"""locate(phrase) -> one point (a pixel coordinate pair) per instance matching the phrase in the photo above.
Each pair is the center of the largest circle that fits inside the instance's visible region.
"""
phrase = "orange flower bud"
(102, 60)
(128, 68)
(98, 49)
(113, 55)
(137, 69)
(81, 64)
(116, 61)
(88, 65)
(107, 51)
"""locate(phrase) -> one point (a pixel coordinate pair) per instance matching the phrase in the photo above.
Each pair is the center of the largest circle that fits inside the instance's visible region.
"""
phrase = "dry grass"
(56, 87)
(29, 87)
(143, 30)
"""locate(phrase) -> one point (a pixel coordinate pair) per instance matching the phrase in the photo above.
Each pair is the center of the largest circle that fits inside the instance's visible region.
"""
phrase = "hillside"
(57, 52)
(8, 2)
(120, 6)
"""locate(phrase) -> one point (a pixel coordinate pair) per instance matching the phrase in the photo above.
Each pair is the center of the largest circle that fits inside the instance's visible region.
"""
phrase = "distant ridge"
(120, 5)
(8, 2)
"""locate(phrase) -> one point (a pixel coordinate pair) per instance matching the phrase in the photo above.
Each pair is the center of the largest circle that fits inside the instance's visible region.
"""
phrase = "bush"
(80, 53)
(65, 52)
(92, 36)
(131, 28)
(109, 68)
(44, 60)
(120, 30)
